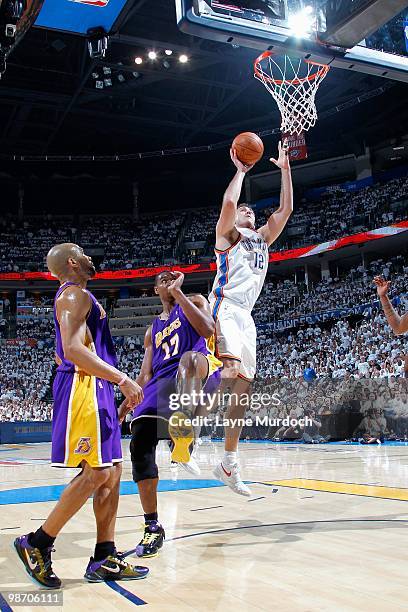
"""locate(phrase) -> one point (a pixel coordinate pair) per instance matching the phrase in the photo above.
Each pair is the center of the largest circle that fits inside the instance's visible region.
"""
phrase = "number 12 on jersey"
(259, 260)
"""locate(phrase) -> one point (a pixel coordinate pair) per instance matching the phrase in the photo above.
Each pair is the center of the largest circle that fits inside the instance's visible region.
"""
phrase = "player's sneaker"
(113, 568)
(37, 562)
(231, 477)
(182, 436)
(152, 541)
(192, 467)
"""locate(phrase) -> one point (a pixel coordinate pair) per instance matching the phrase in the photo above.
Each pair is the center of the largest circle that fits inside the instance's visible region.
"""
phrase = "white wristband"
(120, 383)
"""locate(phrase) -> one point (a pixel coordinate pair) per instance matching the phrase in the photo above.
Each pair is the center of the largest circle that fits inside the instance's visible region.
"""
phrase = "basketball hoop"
(293, 84)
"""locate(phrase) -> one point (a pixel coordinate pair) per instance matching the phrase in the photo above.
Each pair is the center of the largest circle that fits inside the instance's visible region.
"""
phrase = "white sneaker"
(191, 467)
(232, 478)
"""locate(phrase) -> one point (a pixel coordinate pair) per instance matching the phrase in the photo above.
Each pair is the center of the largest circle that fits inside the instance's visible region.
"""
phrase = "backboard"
(364, 35)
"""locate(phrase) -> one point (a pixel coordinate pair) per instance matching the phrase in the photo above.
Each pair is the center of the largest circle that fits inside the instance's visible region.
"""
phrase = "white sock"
(230, 458)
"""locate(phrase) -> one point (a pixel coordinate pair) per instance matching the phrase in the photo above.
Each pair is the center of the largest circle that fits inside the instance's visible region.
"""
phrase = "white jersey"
(241, 271)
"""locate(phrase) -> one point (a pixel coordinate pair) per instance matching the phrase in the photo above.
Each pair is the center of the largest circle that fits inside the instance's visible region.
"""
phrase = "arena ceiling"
(49, 103)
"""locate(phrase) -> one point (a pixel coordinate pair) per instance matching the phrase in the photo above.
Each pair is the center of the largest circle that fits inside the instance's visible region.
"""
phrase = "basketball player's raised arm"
(277, 221)
(196, 308)
(225, 228)
(146, 371)
(398, 324)
(72, 310)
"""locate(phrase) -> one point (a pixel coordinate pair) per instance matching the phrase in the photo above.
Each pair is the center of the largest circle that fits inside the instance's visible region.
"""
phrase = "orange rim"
(323, 70)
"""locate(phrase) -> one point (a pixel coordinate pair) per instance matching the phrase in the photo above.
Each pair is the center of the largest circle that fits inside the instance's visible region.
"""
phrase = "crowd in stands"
(338, 213)
(25, 378)
(41, 329)
(342, 352)
(341, 213)
(125, 243)
(367, 350)
(129, 244)
(285, 299)
(25, 244)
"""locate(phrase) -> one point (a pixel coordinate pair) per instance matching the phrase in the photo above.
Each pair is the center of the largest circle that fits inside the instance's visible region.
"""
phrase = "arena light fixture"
(183, 59)
(97, 43)
(301, 23)
(168, 52)
(152, 55)
(138, 60)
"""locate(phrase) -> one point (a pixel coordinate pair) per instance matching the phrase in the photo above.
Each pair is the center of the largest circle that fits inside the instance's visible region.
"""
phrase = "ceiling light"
(138, 61)
(183, 59)
(301, 23)
(152, 55)
(168, 52)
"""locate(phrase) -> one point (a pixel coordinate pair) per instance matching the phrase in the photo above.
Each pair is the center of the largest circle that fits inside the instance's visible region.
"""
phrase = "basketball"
(249, 148)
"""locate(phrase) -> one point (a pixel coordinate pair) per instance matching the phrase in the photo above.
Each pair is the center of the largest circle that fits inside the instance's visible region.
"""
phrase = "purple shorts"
(157, 395)
(85, 425)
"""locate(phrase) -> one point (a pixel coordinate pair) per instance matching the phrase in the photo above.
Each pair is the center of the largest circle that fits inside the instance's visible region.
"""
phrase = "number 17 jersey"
(241, 271)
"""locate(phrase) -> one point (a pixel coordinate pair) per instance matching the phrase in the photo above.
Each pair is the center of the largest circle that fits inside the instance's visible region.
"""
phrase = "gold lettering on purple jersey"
(159, 337)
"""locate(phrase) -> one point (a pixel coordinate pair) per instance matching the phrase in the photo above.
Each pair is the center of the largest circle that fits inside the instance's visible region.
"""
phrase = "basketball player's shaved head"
(69, 259)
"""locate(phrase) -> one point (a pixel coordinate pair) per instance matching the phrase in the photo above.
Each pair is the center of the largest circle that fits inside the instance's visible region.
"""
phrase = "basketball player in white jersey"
(242, 264)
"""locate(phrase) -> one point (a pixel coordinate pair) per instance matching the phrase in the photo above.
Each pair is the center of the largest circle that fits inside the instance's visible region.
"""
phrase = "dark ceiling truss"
(49, 96)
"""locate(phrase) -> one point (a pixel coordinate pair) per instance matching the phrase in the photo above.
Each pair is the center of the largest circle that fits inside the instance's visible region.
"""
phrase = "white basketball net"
(293, 85)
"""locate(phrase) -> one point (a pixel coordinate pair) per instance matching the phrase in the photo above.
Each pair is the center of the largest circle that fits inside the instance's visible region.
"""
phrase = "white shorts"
(236, 337)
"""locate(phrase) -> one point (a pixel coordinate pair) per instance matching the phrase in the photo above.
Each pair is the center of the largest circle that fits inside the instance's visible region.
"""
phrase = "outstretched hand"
(382, 285)
(283, 158)
(238, 164)
(177, 282)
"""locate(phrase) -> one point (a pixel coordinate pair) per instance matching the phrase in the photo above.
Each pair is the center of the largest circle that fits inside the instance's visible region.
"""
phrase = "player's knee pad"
(143, 461)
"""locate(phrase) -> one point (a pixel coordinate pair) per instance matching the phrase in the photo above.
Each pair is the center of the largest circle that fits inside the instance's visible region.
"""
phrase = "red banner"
(317, 249)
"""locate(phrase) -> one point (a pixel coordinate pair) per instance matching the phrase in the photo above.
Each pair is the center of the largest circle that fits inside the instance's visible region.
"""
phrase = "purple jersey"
(98, 337)
(85, 425)
(170, 340)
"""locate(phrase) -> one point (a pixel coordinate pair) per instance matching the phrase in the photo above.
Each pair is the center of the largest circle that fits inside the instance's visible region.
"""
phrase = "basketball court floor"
(326, 529)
